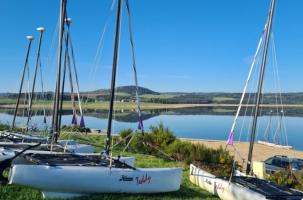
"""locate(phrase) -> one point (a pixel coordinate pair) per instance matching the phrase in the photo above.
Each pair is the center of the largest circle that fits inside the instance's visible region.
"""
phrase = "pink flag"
(230, 140)
(74, 120)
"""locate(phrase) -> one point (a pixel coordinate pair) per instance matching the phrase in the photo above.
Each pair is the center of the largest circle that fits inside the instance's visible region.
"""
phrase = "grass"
(221, 99)
(159, 96)
(187, 190)
(6, 101)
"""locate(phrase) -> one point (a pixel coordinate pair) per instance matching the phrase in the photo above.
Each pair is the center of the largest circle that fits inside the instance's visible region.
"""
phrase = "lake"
(197, 123)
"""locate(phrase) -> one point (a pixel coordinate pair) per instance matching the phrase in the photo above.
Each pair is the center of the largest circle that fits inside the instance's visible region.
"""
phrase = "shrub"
(125, 133)
(68, 128)
(181, 151)
(299, 179)
(161, 136)
(160, 141)
(4, 127)
(288, 178)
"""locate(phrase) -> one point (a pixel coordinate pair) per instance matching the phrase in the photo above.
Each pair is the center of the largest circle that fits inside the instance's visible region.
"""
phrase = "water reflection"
(200, 123)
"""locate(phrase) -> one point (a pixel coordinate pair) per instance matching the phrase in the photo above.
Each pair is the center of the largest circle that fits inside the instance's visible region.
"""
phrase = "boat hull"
(274, 145)
(9, 153)
(75, 181)
(220, 187)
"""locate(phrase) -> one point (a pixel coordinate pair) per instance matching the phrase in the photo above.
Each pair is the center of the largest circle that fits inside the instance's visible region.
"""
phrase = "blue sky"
(181, 45)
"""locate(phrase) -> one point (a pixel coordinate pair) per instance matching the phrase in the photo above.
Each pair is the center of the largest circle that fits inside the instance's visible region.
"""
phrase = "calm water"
(201, 125)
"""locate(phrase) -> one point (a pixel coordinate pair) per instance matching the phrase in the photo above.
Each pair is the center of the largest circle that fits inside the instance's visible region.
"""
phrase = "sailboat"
(13, 145)
(13, 142)
(246, 186)
(274, 142)
(68, 178)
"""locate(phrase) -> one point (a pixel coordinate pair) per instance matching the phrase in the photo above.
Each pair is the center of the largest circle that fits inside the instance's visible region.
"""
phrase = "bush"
(4, 127)
(161, 136)
(217, 161)
(288, 178)
(75, 129)
(161, 141)
(299, 179)
(125, 135)
(181, 151)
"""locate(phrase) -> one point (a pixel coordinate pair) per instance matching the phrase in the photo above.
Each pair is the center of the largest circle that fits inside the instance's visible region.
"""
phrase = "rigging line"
(250, 96)
(278, 129)
(101, 42)
(261, 110)
(72, 90)
(42, 92)
(67, 58)
(75, 70)
(231, 134)
(51, 61)
(268, 130)
(280, 91)
(134, 65)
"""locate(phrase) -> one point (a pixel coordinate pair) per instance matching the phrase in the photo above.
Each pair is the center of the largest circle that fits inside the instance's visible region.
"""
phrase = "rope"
(280, 92)
(140, 126)
(75, 73)
(100, 46)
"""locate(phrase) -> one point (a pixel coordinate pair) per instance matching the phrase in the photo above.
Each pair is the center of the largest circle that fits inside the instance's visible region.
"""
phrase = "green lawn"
(221, 99)
(160, 96)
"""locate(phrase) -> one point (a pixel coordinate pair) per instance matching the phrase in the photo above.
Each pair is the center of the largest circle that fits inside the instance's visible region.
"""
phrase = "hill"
(130, 90)
(127, 93)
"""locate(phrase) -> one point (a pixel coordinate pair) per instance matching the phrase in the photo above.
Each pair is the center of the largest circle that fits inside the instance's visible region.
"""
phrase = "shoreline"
(260, 153)
(150, 106)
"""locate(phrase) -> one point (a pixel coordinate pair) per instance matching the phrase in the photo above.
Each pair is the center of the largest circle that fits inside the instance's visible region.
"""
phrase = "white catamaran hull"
(274, 145)
(74, 181)
(8, 153)
(222, 188)
(75, 147)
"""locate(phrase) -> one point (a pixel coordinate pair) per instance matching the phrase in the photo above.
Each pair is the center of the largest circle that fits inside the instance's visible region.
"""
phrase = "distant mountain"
(131, 90)
(127, 93)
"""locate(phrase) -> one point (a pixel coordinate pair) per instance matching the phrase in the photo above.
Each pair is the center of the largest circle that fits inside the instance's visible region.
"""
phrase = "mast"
(55, 125)
(63, 79)
(30, 39)
(113, 81)
(68, 22)
(41, 30)
(260, 86)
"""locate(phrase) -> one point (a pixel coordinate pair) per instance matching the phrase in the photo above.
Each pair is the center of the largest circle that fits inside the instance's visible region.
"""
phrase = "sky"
(181, 45)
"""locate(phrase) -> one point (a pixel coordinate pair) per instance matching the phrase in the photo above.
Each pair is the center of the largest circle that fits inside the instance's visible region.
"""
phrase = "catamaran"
(11, 141)
(70, 176)
(246, 186)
